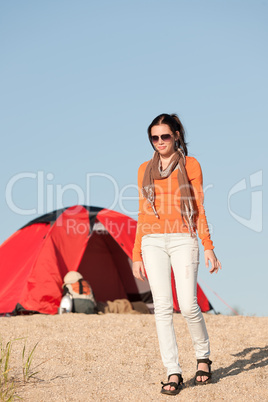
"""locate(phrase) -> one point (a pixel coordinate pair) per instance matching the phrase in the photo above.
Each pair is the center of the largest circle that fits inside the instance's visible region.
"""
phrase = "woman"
(170, 213)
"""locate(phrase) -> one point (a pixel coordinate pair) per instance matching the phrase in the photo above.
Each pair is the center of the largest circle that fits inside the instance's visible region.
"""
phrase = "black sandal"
(201, 373)
(177, 387)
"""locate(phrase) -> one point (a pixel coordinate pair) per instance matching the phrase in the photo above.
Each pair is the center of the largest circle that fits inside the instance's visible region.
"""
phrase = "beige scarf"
(153, 172)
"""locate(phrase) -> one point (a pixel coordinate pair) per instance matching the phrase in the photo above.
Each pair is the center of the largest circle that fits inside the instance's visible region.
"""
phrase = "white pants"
(181, 251)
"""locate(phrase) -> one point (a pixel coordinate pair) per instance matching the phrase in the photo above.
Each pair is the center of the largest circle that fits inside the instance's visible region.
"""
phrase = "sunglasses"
(164, 137)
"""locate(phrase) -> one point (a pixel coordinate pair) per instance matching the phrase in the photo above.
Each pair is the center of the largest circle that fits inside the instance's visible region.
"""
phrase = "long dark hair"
(174, 123)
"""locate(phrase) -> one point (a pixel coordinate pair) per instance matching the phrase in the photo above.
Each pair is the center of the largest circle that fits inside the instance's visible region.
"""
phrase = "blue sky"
(82, 80)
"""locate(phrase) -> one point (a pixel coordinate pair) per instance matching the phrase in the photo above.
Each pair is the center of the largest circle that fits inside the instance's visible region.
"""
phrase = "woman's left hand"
(215, 263)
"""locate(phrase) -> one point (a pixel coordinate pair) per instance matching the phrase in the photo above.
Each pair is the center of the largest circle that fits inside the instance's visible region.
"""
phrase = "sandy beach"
(115, 357)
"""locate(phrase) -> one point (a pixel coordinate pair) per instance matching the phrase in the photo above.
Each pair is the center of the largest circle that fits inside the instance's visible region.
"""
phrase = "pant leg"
(158, 269)
(184, 254)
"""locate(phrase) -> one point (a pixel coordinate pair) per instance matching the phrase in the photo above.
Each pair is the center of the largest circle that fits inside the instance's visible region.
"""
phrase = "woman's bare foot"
(204, 367)
(173, 378)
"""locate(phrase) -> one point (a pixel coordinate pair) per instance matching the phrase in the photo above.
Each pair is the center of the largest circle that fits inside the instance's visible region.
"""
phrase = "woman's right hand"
(138, 270)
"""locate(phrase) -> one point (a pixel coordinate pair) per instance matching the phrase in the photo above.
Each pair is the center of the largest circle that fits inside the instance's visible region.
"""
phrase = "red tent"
(97, 242)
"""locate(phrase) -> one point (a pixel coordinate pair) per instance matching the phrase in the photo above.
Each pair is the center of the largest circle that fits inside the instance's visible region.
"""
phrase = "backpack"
(82, 296)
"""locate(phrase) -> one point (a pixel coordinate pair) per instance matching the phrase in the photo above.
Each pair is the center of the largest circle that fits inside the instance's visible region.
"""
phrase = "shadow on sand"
(248, 359)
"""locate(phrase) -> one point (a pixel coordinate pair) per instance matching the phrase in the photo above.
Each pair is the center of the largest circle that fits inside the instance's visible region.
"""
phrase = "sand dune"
(115, 357)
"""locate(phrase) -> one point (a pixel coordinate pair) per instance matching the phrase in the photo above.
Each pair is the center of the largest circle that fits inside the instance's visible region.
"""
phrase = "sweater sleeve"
(136, 254)
(196, 179)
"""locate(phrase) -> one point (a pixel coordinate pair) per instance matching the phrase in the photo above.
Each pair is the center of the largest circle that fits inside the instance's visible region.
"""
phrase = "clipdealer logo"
(50, 196)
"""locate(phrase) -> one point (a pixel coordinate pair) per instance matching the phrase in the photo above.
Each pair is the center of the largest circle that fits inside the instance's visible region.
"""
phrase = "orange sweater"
(167, 204)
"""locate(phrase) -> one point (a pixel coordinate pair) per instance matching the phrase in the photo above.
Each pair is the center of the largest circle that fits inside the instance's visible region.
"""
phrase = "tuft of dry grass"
(9, 380)
(7, 388)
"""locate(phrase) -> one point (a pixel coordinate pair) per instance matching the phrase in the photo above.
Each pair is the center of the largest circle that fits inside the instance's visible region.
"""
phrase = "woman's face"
(165, 146)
